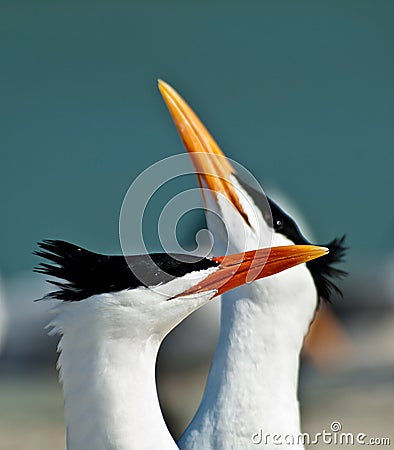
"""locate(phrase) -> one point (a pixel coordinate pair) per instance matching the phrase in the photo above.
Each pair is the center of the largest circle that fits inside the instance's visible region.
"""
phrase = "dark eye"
(279, 224)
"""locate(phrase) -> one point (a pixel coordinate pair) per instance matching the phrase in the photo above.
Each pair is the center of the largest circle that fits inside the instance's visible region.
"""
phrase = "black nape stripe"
(86, 273)
(322, 269)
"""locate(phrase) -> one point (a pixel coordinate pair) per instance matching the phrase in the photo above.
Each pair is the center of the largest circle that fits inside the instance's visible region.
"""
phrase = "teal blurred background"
(300, 93)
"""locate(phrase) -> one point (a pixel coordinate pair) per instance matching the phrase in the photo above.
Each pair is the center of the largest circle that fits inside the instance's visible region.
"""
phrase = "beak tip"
(314, 252)
(163, 86)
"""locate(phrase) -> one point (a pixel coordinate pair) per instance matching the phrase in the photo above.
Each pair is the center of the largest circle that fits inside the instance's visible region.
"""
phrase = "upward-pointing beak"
(211, 165)
(238, 269)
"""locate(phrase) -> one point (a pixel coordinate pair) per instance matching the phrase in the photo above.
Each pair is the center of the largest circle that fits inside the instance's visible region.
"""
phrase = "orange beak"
(238, 269)
(210, 163)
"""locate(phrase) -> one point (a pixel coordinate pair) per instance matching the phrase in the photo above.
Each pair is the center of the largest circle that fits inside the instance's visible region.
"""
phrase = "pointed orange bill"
(210, 163)
(240, 268)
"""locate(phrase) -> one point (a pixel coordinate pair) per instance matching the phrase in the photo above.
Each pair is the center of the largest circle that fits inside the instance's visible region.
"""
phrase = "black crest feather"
(323, 271)
(86, 273)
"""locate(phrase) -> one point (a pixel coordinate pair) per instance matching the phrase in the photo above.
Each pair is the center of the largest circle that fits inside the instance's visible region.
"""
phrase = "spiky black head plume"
(86, 273)
(323, 272)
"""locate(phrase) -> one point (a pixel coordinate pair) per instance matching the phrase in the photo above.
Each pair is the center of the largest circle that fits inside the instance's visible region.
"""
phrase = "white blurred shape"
(388, 280)
(27, 340)
(3, 316)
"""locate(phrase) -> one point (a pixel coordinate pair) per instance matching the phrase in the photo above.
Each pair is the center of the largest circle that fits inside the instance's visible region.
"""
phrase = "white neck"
(109, 386)
(253, 381)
